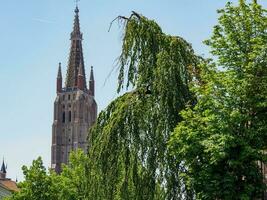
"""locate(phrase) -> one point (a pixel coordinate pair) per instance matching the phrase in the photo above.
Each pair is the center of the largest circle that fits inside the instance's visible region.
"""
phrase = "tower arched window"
(63, 117)
(69, 116)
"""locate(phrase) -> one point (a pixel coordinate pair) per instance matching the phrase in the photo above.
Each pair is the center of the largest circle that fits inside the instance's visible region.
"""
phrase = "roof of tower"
(59, 74)
(3, 168)
(92, 74)
(76, 55)
(76, 33)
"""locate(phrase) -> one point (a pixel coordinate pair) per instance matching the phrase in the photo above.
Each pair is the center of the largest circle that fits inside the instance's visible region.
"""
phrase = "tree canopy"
(221, 140)
(41, 184)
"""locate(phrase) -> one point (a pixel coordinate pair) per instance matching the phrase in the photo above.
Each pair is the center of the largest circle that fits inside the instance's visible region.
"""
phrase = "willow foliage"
(128, 144)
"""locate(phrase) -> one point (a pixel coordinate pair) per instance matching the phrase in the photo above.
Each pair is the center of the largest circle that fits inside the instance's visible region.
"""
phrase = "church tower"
(75, 108)
(3, 171)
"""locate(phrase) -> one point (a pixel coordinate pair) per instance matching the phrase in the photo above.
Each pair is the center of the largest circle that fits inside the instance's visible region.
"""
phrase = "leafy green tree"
(73, 181)
(40, 184)
(128, 145)
(222, 139)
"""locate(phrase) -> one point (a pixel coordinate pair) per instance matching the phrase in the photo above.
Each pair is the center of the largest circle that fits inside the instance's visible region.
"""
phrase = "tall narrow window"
(63, 117)
(69, 116)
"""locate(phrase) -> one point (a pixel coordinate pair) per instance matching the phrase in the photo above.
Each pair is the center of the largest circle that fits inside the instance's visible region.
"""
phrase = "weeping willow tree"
(128, 144)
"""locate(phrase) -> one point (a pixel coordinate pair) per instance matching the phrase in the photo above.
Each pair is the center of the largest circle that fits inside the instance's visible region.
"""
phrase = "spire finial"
(76, 9)
(59, 79)
(92, 83)
(59, 74)
(76, 33)
(92, 74)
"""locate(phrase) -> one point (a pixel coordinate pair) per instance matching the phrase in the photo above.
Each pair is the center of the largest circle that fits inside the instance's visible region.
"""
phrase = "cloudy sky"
(34, 38)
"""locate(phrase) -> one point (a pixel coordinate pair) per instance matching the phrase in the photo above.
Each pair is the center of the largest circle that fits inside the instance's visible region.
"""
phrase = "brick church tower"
(75, 108)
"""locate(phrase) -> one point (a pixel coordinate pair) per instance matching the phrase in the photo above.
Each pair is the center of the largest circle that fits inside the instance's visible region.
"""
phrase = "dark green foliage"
(128, 150)
(221, 141)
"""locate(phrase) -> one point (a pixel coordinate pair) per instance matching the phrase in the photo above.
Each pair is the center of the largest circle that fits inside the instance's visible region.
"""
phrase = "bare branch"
(135, 14)
(117, 18)
(124, 18)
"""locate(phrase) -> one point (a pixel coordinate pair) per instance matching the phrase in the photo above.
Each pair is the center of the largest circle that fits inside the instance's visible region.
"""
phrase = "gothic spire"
(59, 74)
(92, 74)
(92, 83)
(76, 33)
(59, 79)
(3, 168)
(76, 55)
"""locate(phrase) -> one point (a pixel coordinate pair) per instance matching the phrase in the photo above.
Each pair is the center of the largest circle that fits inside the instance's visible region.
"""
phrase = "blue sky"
(35, 38)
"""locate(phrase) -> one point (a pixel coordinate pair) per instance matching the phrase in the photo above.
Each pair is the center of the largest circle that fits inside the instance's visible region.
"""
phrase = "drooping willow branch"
(128, 147)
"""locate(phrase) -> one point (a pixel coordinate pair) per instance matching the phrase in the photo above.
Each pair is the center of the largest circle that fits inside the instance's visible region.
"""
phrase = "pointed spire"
(76, 55)
(59, 74)
(92, 82)
(76, 33)
(92, 74)
(59, 79)
(3, 168)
